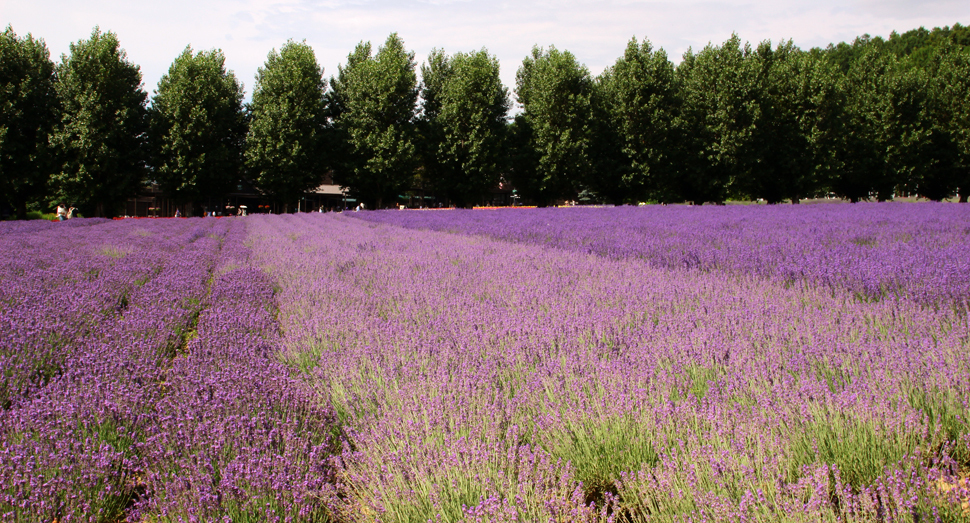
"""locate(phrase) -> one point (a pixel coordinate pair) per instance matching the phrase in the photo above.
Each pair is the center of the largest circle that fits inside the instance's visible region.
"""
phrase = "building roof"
(330, 189)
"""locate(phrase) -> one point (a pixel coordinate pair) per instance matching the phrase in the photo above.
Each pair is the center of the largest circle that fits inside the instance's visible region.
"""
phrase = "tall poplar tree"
(465, 107)
(198, 127)
(798, 106)
(717, 120)
(947, 115)
(861, 153)
(373, 105)
(611, 176)
(642, 104)
(555, 91)
(27, 115)
(916, 141)
(955, 93)
(101, 137)
(285, 146)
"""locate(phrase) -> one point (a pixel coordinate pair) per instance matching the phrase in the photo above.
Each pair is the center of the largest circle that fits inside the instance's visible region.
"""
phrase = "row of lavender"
(90, 314)
(478, 380)
(139, 379)
(876, 250)
(67, 285)
(238, 438)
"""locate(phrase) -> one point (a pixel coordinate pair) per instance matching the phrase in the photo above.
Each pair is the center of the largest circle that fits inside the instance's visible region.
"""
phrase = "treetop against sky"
(155, 33)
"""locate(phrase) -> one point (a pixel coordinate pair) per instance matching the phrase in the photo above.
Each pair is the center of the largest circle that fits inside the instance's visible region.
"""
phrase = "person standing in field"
(61, 212)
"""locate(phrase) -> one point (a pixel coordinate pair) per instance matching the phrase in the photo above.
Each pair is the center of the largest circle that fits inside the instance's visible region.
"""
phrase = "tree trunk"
(21, 209)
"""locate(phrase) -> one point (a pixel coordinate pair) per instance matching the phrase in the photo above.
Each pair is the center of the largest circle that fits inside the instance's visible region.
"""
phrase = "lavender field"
(661, 364)
(888, 249)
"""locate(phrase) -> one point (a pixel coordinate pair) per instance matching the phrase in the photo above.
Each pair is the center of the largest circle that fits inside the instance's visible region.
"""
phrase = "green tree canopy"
(915, 47)
(915, 138)
(717, 119)
(463, 124)
(27, 116)
(862, 164)
(373, 104)
(798, 105)
(640, 103)
(556, 96)
(286, 140)
(198, 127)
(610, 177)
(896, 130)
(951, 74)
(101, 136)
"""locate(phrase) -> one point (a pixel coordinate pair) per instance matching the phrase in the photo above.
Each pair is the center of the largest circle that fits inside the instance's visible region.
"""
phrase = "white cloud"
(153, 33)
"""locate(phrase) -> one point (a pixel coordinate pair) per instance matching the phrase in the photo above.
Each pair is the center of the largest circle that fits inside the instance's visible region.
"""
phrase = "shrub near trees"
(873, 118)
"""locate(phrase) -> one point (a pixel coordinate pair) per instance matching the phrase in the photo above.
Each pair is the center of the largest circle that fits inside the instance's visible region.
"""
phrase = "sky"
(154, 32)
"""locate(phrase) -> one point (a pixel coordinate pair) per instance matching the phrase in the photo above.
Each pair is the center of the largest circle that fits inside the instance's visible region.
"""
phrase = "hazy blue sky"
(154, 33)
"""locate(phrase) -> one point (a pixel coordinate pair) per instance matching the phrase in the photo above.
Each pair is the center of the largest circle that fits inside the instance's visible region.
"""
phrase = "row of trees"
(775, 123)
(731, 121)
